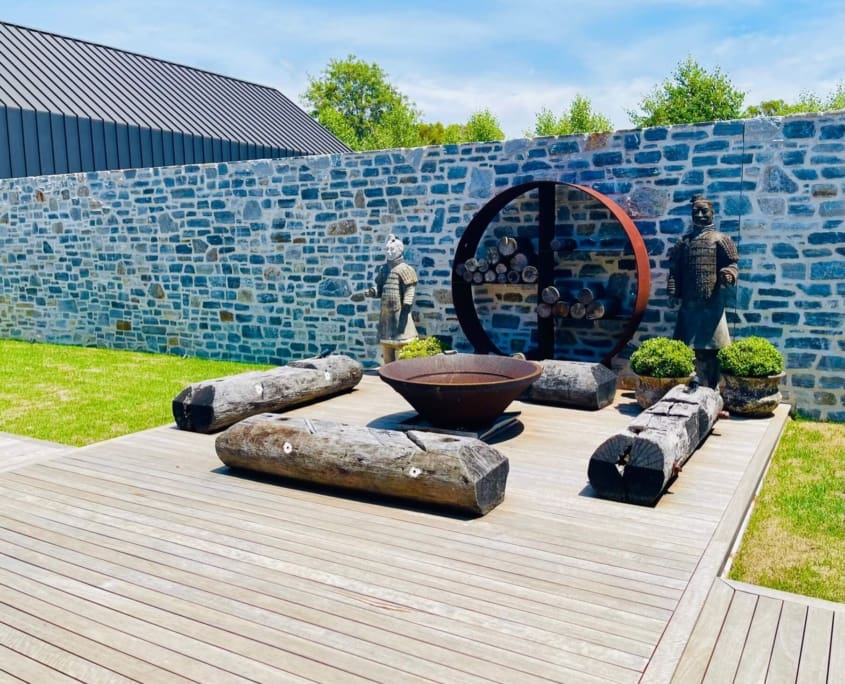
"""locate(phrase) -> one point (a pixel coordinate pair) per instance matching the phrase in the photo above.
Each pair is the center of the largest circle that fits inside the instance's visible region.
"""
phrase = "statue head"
(702, 212)
(394, 248)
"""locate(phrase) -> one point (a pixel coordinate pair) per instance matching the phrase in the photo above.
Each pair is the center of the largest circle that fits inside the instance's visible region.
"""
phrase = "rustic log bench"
(457, 472)
(211, 405)
(637, 464)
(578, 384)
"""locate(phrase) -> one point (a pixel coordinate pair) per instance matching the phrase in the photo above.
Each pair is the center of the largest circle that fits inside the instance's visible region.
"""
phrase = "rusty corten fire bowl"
(452, 390)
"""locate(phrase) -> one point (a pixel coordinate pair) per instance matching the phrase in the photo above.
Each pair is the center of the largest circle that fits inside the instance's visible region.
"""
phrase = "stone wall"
(257, 260)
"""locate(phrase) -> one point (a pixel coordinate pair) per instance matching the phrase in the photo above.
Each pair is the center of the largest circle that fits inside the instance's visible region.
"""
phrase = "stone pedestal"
(390, 349)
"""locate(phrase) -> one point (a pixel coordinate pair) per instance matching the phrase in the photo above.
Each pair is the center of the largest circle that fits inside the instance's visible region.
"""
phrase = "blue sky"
(454, 58)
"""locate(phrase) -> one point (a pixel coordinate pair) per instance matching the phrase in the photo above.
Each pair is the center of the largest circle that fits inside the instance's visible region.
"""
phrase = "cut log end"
(648, 454)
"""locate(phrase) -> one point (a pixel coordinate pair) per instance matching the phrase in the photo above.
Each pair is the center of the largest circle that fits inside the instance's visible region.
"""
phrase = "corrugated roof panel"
(78, 92)
(79, 78)
(178, 85)
(47, 72)
(141, 112)
(39, 75)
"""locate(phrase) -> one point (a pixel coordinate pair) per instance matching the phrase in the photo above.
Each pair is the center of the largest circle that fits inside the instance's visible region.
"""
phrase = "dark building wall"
(71, 106)
(43, 143)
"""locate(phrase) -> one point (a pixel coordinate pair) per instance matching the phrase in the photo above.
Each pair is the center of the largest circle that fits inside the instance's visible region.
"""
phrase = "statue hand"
(727, 278)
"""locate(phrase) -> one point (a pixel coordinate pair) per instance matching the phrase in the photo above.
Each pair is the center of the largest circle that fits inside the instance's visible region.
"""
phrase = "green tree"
(578, 118)
(356, 102)
(453, 134)
(808, 101)
(399, 127)
(770, 108)
(836, 100)
(431, 133)
(692, 94)
(438, 134)
(481, 127)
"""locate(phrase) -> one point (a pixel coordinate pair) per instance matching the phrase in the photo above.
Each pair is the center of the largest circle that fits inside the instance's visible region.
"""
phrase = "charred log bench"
(637, 464)
(573, 383)
(211, 405)
(457, 472)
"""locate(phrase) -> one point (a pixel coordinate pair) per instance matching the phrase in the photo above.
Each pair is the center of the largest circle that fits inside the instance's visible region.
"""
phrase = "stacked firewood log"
(507, 262)
(587, 303)
(510, 261)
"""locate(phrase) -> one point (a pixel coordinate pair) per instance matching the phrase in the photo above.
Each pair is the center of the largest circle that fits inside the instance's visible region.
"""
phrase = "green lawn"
(795, 539)
(77, 396)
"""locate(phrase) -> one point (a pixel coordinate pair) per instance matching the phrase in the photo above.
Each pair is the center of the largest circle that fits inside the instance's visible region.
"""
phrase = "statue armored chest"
(702, 265)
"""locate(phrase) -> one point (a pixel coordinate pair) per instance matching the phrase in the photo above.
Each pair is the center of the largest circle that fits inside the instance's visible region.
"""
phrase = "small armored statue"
(703, 266)
(396, 284)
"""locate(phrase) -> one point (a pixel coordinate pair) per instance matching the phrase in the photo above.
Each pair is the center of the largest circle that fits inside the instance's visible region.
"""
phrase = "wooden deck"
(143, 558)
(16, 452)
(753, 634)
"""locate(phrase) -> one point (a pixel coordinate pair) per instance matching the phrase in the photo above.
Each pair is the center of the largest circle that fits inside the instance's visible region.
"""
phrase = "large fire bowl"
(460, 390)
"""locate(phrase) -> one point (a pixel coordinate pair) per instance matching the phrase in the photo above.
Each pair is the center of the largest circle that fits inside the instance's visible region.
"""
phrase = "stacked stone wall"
(257, 260)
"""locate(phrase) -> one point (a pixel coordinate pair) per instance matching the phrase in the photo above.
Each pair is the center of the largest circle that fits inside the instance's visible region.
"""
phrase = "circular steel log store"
(462, 289)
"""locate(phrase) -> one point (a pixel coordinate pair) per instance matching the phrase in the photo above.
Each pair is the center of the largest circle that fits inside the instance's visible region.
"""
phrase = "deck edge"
(670, 648)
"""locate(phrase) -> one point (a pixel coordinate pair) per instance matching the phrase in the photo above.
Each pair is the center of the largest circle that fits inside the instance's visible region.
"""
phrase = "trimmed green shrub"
(422, 346)
(661, 357)
(752, 357)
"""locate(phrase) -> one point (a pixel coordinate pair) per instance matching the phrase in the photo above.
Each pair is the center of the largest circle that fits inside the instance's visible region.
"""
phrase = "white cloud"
(455, 58)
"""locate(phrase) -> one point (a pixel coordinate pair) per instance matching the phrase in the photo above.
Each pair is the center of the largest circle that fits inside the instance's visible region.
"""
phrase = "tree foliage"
(357, 103)
(807, 102)
(578, 118)
(438, 134)
(692, 94)
(482, 127)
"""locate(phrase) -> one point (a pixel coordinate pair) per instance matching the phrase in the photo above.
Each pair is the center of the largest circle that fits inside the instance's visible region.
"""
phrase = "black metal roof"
(45, 72)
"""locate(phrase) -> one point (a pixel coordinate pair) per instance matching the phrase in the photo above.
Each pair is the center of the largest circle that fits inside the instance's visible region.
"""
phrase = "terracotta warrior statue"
(396, 284)
(703, 266)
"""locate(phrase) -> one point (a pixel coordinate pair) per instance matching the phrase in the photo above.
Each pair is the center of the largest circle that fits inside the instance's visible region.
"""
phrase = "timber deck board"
(17, 451)
(145, 558)
(749, 634)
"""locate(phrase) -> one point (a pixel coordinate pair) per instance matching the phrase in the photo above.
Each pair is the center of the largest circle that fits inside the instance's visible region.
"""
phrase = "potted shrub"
(660, 363)
(421, 346)
(752, 369)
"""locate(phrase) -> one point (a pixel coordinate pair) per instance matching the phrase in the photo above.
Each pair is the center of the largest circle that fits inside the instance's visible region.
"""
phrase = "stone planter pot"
(650, 390)
(751, 396)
